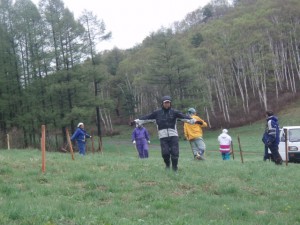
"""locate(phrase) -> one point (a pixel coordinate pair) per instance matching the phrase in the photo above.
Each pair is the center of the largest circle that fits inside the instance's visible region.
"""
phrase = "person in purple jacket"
(141, 138)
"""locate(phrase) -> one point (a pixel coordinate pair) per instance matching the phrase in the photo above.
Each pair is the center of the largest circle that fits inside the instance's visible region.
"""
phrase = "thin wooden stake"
(8, 144)
(232, 151)
(241, 152)
(70, 143)
(93, 147)
(100, 149)
(43, 148)
(286, 146)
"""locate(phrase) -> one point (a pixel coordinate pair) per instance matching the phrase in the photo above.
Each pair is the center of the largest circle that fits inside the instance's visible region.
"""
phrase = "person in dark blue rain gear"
(271, 136)
(267, 155)
(80, 136)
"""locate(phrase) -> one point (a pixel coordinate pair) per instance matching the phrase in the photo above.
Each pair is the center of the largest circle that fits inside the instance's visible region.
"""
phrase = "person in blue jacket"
(271, 136)
(141, 138)
(80, 136)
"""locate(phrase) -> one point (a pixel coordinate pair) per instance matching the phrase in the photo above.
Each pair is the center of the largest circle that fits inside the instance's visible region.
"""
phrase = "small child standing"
(225, 142)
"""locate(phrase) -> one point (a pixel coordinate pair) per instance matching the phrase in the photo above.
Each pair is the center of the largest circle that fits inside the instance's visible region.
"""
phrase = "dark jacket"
(166, 121)
(271, 135)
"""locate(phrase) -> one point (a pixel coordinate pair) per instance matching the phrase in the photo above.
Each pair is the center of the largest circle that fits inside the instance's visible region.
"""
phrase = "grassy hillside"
(250, 135)
(116, 188)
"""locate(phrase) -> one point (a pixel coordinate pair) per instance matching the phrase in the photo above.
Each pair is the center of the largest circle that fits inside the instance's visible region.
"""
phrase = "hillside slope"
(250, 135)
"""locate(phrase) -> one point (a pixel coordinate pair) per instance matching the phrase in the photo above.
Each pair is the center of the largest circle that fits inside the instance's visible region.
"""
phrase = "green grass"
(117, 188)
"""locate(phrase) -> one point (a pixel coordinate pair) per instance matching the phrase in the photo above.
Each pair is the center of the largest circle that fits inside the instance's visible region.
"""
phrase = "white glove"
(192, 121)
(133, 142)
(149, 142)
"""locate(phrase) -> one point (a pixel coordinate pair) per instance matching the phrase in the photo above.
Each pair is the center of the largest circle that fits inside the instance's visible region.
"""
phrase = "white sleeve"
(144, 121)
(190, 121)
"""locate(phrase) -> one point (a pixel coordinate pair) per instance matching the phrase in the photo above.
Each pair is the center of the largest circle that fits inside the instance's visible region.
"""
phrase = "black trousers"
(275, 153)
(170, 151)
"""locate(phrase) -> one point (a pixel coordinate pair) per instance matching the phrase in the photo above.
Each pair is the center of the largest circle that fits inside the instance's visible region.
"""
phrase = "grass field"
(117, 188)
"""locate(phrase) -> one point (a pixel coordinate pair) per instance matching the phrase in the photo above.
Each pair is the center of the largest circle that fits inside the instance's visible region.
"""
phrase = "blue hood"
(274, 118)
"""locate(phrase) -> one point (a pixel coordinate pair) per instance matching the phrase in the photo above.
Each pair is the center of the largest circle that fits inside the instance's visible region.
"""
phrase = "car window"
(294, 135)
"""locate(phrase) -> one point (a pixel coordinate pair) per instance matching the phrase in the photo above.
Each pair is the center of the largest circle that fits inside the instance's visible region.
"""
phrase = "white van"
(293, 143)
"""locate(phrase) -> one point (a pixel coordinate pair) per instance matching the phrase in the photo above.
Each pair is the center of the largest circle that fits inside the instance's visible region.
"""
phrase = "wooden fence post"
(286, 146)
(241, 152)
(43, 148)
(70, 143)
(8, 144)
(232, 151)
(93, 147)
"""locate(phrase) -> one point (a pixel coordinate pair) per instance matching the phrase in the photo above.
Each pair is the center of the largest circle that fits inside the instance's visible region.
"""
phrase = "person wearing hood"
(271, 136)
(166, 120)
(194, 134)
(225, 143)
(141, 138)
(80, 136)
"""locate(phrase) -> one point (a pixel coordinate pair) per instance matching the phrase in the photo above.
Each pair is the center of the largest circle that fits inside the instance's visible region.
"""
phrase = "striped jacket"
(225, 141)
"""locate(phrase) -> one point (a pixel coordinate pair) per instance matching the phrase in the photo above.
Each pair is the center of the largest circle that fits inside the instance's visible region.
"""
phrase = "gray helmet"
(166, 99)
(192, 111)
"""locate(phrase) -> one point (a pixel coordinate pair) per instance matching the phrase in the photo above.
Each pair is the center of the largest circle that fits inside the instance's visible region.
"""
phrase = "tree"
(94, 32)
(112, 60)
(12, 92)
(196, 40)
(65, 47)
(170, 68)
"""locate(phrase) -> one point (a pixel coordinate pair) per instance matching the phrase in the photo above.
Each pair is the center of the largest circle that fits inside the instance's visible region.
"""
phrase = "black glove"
(132, 123)
(199, 122)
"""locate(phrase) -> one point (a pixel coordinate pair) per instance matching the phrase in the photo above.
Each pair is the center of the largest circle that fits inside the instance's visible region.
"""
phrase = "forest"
(230, 61)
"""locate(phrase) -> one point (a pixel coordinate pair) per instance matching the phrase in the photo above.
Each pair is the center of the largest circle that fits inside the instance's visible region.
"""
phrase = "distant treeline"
(229, 61)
